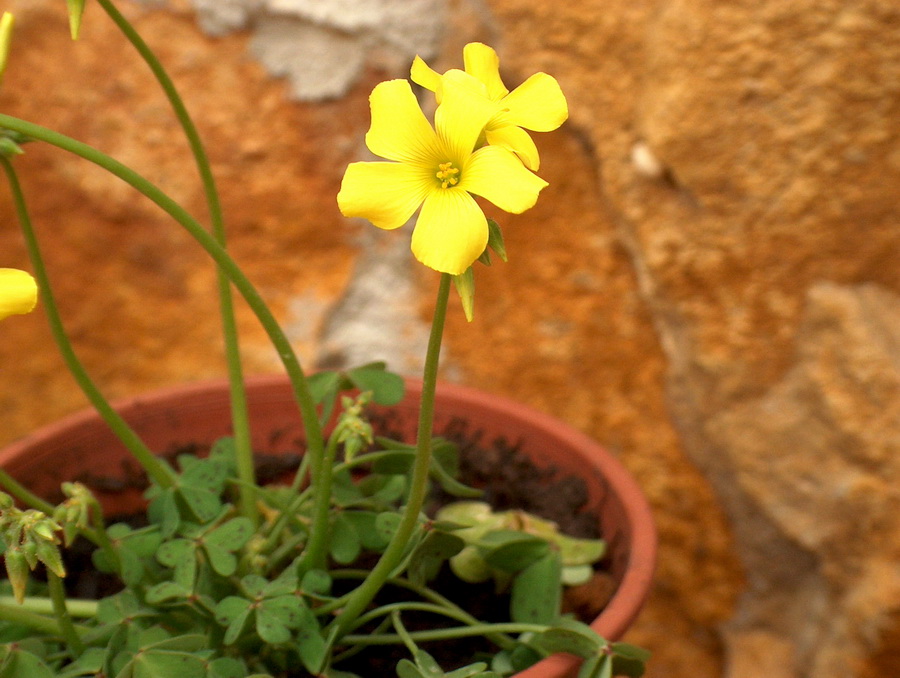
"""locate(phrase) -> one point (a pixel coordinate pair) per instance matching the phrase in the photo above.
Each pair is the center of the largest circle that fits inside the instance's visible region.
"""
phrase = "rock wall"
(709, 285)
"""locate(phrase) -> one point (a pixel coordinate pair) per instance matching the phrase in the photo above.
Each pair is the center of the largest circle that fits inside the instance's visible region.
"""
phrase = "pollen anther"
(447, 174)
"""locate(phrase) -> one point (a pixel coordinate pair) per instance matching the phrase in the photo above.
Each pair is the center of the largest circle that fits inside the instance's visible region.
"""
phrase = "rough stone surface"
(322, 47)
(709, 285)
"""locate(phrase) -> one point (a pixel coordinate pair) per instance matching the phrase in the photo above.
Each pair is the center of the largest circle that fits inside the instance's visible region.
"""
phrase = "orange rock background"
(709, 285)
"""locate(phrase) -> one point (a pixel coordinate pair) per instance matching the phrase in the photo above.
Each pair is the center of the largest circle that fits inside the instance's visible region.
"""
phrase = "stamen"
(447, 174)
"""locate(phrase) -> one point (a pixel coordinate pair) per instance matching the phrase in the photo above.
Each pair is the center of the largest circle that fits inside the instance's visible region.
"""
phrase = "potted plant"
(221, 574)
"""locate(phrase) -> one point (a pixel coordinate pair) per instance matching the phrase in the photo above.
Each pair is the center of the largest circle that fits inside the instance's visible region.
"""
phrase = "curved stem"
(152, 465)
(443, 634)
(315, 443)
(61, 612)
(23, 494)
(239, 415)
(418, 489)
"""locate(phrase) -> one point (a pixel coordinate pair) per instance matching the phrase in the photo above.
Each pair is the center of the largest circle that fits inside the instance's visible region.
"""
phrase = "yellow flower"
(438, 168)
(538, 104)
(18, 292)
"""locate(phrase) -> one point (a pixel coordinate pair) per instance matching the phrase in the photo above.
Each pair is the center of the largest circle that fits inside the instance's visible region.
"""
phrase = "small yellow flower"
(438, 168)
(538, 104)
(18, 292)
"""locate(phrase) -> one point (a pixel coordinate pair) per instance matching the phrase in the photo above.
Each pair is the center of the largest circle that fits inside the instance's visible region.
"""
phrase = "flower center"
(447, 174)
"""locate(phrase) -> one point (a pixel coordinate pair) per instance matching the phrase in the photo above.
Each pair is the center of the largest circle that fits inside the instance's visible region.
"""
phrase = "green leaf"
(167, 591)
(570, 636)
(311, 646)
(230, 608)
(203, 504)
(430, 555)
(316, 582)
(406, 669)
(510, 550)
(537, 591)
(270, 627)
(386, 525)
(226, 667)
(345, 541)
(629, 660)
(231, 535)
(286, 609)
(237, 626)
(364, 524)
(220, 560)
(173, 552)
(158, 663)
(386, 387)
(18, 663)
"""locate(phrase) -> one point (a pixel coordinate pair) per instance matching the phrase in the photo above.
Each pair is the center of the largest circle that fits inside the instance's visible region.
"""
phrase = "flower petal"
(18, 292)
(399, 129)
(515, 139)
(499, 176)
(451, 232)
(537, 104)
(385, 193)
(422, 74)
(462, 114)
(483, 63)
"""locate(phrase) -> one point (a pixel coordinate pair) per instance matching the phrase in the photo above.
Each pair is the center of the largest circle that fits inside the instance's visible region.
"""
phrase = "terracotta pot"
(81, 446)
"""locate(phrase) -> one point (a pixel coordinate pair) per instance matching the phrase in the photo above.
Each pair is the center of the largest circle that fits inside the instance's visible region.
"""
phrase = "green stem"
(61, 612)
(316, 547)
(418, 489)
(154, 467)
(20, 492)
(239, 414)
(443, 634)
(402, 632)
(77, 607)
(315, 443)
(425, 593)
(38, 622)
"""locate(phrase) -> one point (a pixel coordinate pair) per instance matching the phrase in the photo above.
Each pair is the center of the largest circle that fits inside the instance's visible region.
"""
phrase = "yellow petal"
(451, 232)
(421, 74)
(18, 292)
(399, 129)
(537, 104)
(483, 63)
(499, 176)
(385, 193)
(463, 113)
(515, 139)
(6, 28)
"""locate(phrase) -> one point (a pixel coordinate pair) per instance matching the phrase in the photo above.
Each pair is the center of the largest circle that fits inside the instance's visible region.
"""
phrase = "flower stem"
(23, 494)
(239, 414)
(315, 444)
(61, 612)
(154, 467)
(418, 489)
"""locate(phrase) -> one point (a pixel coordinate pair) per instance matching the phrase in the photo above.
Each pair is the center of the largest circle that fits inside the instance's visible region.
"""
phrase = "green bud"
(17, 572)
(76, 10)
(465, 287)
